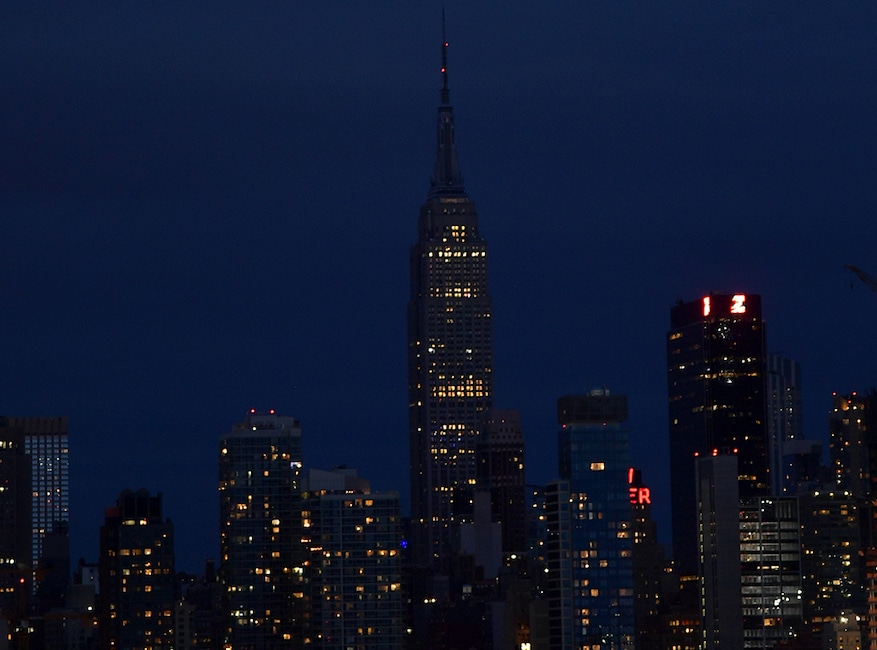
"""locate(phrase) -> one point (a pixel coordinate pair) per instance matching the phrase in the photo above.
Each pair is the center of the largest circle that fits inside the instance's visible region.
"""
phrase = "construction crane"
(869, 280)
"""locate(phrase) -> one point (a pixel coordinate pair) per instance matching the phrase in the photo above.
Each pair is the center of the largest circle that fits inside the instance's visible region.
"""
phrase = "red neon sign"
(637, 495)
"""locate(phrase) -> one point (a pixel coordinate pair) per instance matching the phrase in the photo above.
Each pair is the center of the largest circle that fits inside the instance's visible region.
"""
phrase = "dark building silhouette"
(136, 574)
(450, 364)
(718, 513)
(649, 567)
(787, 449)
(15, 524)
(499, 456)
(716, 388)
(261, 546)
(198, 618)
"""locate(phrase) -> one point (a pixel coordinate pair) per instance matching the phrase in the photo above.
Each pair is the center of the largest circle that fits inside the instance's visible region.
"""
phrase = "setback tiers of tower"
(449, 350)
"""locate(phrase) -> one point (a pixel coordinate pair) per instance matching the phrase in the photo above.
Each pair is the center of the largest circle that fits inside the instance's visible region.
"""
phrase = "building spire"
(445, 92)
(446, 179)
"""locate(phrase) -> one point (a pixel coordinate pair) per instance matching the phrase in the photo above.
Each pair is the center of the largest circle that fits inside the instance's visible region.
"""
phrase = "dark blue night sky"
(208, 206)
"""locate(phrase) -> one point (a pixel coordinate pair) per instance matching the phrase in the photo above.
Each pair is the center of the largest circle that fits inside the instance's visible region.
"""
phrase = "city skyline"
(210, 209)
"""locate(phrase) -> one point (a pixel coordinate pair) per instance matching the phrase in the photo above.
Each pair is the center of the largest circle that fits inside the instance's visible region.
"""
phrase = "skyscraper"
(260, 540)
(770, 569)
(500, 471)
(850, 443)
(718, 514)
(15, 522)
(716, 388)
(649, 565)
(594, 462)
(136, 600)
(832, 555)
(450, 362)
(44, 441)
(354, 570)
(784, 418)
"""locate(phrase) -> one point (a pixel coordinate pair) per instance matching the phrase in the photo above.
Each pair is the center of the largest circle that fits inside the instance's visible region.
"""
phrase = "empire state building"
(450, 358)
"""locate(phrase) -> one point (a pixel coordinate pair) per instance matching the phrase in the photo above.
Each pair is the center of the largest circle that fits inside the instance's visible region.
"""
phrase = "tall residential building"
(354, 568)
(716, 388)
(450, 364)
(832, 555)
(849, 444)
(594, 460)
(136, 571)
(261, 553)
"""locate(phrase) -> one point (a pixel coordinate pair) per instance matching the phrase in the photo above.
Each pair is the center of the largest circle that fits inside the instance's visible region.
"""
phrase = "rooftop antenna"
(445, 94)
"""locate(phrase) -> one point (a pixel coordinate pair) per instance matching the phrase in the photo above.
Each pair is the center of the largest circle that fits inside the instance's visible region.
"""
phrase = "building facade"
(594, 460)
(832, 555)
(784, 419)
(849, 443)
(136, 574)
(649, 567)
(716, 388)
(450, 358)
(770, 567)
(44, 441)
(16, 570)
(718, 519)
(354, 568)
(499, 455)
(261, 552)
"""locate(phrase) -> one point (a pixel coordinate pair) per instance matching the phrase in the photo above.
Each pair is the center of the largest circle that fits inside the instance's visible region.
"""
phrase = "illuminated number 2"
(738, 304)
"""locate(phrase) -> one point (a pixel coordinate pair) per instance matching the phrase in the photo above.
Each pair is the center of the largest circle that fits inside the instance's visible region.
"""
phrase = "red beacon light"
(271, 412)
